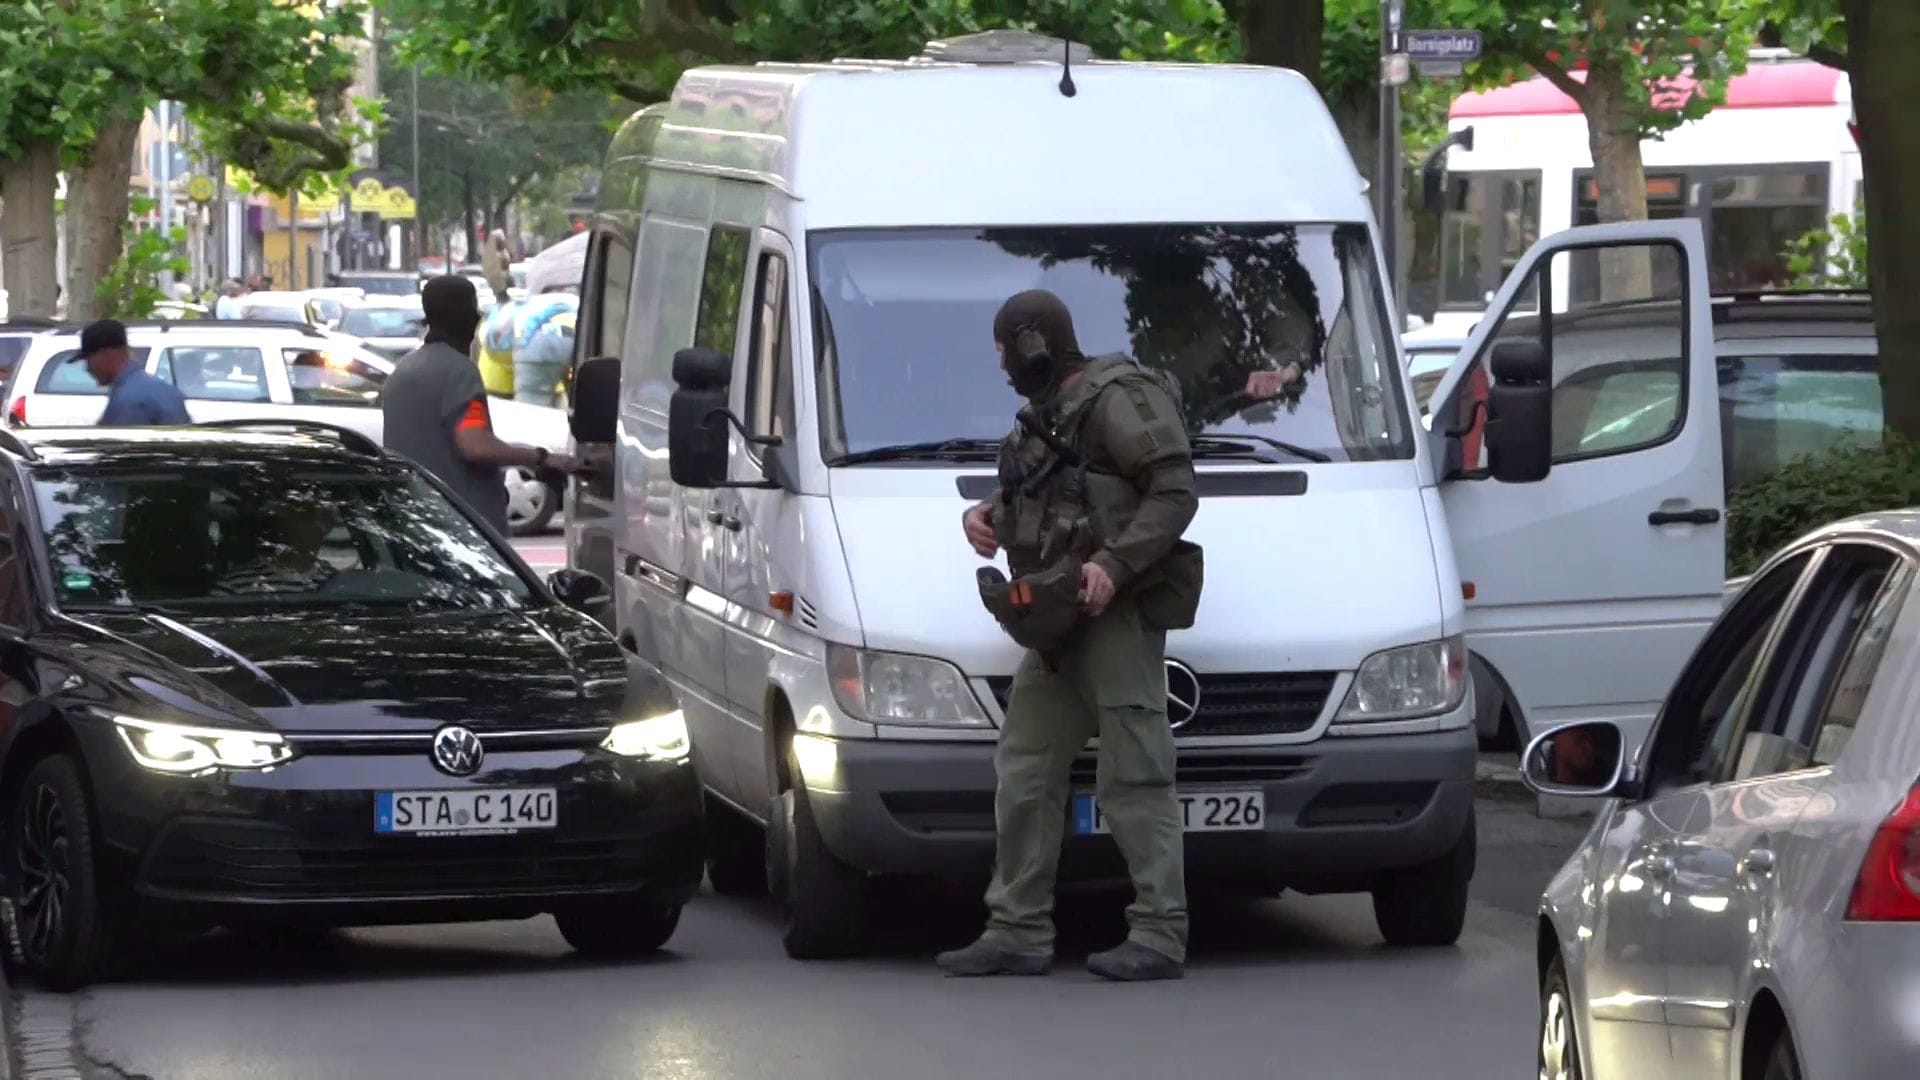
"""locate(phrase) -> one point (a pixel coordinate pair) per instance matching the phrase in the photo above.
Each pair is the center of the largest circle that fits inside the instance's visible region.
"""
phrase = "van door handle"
(1683, 517)
(731, 522)
(714, 516)
(1758, 861)
(1659, 866)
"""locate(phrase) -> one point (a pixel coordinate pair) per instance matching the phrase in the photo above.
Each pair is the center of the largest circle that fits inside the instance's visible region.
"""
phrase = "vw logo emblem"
(457, 751)
(1183, 694)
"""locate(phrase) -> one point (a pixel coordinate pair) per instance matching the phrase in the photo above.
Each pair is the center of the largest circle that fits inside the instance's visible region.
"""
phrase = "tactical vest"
(1054, 503)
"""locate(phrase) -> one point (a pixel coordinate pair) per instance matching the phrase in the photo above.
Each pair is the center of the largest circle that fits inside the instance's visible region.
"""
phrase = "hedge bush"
(1765, 514)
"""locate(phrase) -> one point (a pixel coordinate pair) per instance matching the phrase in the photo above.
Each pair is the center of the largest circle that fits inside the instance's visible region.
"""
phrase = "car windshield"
(263, 534)
(380, 322)
(905, 330)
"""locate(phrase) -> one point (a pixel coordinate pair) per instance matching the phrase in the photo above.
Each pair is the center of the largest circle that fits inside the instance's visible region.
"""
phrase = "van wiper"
(948, 449)
(1206, 445)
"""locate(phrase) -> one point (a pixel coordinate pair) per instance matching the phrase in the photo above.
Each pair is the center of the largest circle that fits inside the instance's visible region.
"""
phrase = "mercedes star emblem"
(457, 751)
(1183, 694)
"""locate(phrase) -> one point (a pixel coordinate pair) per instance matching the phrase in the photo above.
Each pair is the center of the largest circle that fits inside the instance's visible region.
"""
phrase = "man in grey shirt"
(435, 407)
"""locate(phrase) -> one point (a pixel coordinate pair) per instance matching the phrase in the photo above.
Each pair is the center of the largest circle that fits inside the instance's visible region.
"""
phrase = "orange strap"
(474, 417)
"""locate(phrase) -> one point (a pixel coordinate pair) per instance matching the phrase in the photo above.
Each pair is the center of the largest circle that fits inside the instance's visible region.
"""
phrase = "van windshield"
(904, 323)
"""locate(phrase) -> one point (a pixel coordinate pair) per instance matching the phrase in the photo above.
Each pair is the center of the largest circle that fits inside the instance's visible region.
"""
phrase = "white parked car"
(392, 326)
(237, 369)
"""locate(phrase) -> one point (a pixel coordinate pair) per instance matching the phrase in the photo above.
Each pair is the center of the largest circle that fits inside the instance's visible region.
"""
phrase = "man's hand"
(978, 524)
(1266, 385)
(1096, 589)
(561, 462)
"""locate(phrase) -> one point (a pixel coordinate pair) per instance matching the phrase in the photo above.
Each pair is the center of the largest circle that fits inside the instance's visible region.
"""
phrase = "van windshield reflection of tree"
(253, 536)
(1277, 334)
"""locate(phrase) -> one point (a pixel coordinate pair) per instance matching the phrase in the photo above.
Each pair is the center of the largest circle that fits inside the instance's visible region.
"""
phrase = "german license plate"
(1200, 811)
(491, 811)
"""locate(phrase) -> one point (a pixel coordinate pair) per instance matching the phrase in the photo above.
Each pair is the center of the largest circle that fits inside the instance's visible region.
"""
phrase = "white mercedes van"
(787, 363)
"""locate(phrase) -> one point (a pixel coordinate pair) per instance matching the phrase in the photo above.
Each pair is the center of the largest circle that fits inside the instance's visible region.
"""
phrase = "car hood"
(332, 671)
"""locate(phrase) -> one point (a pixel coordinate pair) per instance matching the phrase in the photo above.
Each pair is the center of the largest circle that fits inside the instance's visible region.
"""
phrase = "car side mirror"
(582, 591)
(1580, 761)
(593, 400)
(1519, 431)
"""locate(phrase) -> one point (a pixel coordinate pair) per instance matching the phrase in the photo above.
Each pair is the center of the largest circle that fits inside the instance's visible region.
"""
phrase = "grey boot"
(985, 957)
(1133, 962)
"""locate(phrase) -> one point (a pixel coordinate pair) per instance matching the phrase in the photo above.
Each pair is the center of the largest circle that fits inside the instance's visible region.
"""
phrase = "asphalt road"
(1298, 987)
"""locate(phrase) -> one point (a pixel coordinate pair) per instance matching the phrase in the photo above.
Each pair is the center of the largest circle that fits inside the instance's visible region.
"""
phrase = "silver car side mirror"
(1578, 761)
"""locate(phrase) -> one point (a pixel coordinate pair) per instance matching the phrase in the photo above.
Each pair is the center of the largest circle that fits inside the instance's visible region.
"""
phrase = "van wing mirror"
(1519, 429)
(697, 418)
(593, 400)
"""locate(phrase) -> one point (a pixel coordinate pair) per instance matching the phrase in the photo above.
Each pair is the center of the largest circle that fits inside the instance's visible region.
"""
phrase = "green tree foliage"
(1818, 490)
(1833, 257)
(482, 144)
(263, 80)
(132, 287)
(1637, 68)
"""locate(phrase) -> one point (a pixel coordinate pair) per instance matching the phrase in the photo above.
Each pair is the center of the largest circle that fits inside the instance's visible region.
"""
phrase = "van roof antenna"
(1067, 89)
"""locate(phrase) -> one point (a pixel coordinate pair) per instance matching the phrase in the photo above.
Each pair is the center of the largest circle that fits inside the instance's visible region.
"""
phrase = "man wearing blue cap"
(133, 396)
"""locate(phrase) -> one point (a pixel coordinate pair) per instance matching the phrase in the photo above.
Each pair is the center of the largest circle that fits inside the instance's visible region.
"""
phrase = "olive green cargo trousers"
(1111, 682)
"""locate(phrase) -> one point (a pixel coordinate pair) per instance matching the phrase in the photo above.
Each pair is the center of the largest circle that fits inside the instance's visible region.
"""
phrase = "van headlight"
(1408, 682)
(894, 688)
(184, 750)
(657, 738)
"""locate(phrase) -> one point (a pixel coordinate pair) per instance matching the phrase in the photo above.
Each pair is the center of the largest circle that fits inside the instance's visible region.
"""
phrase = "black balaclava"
(1043, 313)
(452, 311)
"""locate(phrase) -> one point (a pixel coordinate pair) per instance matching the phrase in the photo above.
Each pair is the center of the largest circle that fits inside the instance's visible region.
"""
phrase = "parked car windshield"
(268, 534)
(373, 322)
(904, 326)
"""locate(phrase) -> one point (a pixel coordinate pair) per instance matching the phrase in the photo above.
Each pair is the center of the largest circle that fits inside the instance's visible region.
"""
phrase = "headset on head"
(1030, 346)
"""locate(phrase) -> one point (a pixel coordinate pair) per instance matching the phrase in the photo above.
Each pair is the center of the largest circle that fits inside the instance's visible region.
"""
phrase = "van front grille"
(1259, 703)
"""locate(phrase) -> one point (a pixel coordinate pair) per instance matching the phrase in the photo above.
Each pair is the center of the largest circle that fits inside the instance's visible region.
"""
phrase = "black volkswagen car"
(281, 677)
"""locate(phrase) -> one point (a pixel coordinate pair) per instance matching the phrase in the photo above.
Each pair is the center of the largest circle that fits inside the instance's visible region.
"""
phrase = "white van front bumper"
(1338, 811)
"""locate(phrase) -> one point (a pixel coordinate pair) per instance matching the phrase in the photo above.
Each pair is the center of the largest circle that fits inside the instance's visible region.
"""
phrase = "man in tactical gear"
(1096, 487)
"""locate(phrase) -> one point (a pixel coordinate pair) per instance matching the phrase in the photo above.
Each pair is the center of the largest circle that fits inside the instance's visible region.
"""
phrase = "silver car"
(1747, 905)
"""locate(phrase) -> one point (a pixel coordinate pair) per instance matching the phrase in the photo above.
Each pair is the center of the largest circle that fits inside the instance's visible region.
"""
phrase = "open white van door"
(1578, 453)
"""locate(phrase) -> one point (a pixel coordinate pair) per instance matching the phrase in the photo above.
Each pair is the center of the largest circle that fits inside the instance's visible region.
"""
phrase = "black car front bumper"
(298, 841)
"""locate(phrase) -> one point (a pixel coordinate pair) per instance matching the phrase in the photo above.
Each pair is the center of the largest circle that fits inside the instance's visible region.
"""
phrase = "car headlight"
(657, 738)
(893, 688)
(178, 748)
(1408, 682)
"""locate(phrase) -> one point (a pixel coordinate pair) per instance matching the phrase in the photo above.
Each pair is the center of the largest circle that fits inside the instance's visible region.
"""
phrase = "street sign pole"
(165, 181)
(1387, 175)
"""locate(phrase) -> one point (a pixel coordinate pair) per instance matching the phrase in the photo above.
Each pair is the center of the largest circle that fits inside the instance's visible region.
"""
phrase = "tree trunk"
(1283, 33)
(97, 200)
(1613, 136)
(27, 237)
(1359, 123)
(1881, 39)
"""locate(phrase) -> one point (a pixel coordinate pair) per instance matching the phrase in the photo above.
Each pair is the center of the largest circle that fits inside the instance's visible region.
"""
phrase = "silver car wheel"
(1556, 1039)
(530, 502)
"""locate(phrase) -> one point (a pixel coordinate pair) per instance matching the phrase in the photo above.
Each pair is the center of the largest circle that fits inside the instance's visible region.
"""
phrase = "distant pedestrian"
(434, 407)
(228, 304)
(134, 398)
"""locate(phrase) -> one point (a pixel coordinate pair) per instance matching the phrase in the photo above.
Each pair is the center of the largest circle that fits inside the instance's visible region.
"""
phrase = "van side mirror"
(697, 418)
(582, 591)
(593, 401)
(1577, 760)
(1519, 430)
